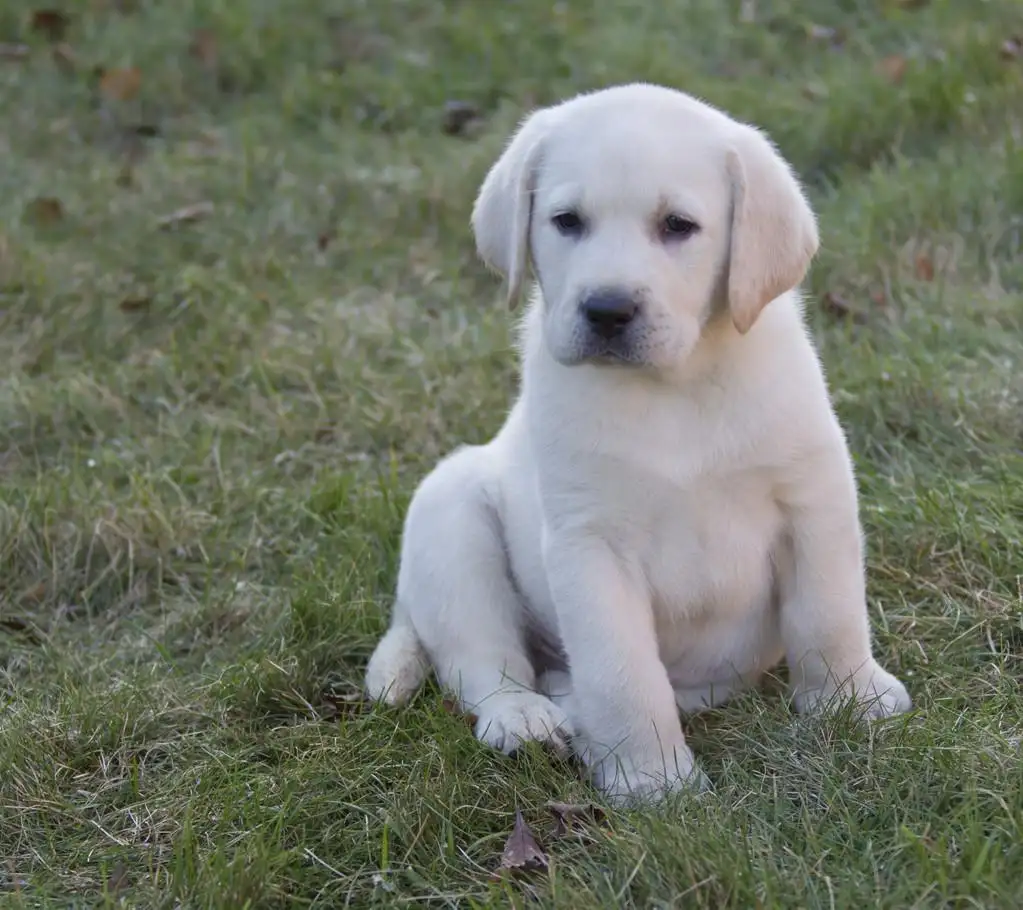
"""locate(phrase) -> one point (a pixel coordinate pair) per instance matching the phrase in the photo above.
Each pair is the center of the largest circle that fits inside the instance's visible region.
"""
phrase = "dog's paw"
(875, 691)
(630, 780)
(509, 719)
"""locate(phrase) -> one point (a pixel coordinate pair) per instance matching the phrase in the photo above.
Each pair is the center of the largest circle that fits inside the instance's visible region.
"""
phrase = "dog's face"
(645, 213)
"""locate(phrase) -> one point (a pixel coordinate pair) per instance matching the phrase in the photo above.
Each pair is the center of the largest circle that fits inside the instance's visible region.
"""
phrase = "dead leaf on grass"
(14, 51)
(836, 305)
(186, 215)
(343, 704)
(135, 303)
(923, 266)
(52, 23)
(23, 628)
(459, 117)
(892, 68)
(120, 84)
(450, 706)
(44, 211)
(568, 816)
(522, 854)
(325, 238)
(204, 47)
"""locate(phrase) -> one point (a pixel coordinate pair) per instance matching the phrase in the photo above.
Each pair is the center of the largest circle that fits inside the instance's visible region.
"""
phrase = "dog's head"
(645, 215)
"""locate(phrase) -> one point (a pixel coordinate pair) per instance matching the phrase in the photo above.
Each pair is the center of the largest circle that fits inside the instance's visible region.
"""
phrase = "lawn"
(241, 315)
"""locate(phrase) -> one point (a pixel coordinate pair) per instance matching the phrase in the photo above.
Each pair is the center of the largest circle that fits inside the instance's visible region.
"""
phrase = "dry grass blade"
(186, 215)
(568, 816)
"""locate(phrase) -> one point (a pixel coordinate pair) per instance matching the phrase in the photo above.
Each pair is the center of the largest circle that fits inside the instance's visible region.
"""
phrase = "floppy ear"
(774, 231)
(504, 207)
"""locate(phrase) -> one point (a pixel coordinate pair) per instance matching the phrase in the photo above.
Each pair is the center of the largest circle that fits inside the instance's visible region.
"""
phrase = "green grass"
(208, 436)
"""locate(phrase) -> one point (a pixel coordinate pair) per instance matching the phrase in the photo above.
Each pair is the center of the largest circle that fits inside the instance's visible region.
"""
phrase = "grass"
(209, 433)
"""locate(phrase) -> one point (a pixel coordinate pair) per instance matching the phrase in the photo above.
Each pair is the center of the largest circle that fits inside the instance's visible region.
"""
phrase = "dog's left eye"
(678, 228)
(568, 223)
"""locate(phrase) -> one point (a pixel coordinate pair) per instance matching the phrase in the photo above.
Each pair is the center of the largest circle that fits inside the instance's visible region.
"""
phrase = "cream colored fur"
(664, 516)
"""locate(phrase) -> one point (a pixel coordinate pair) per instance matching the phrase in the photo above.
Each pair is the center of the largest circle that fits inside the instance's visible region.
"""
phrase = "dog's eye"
(568, 223)
(676, 227)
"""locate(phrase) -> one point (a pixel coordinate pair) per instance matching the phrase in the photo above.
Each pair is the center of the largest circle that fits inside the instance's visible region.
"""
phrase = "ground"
(241, 315)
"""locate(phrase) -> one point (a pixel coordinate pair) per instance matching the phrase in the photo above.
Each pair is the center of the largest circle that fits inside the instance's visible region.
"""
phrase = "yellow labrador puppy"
(669, 508)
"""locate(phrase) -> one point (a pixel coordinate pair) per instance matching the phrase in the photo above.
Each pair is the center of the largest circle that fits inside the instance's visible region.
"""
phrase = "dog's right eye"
(568, 223)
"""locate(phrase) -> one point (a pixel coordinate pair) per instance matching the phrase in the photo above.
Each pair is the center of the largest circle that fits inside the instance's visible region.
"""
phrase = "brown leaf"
(838, 306)
(64, 58)
(572, 815)
(135, 303)
(50, 22)
(121, 84)
(521, 851)
(892, 68)
(343, 704)
(22, 627)
(36, 593)
(44, 210)
(203, 47)
(1012, 48)
(924, 267)
(459, 116)
(325, 238)
(450, 706)
(14, 51)
(186, 215)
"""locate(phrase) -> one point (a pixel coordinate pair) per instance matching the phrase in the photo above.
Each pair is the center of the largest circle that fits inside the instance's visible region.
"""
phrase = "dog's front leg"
(825, 626)
(622, 704)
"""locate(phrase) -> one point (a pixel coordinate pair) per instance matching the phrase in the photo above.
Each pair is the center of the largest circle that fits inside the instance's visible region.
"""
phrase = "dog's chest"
(706, 550)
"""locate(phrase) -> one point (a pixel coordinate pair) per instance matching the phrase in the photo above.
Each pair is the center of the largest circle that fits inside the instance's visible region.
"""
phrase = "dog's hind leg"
(457, 597)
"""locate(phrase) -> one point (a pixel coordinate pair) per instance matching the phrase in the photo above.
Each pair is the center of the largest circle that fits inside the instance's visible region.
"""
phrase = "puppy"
(670, 507)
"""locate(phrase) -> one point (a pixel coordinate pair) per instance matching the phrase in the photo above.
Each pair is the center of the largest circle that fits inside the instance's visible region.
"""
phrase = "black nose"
(609, 312)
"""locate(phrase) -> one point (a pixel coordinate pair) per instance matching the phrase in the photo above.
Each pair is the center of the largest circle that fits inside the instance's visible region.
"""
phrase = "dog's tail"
(399, 664)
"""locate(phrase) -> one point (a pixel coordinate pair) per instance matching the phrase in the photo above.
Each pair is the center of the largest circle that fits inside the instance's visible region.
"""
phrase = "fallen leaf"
(450, 706)
(521, 851)
(203, 47)
(50, 22)
(135, 303)
(121, 84)
(23, 628)
(458, 115)
(571, 815)
(36, 593)
(893, 68)
(65, 58)
(14, 51)
(325, 238)
(186, 215)
(924, 267)
(44, 210)
(118, 879)
(343, 704)
(838, 306)
(1012, 48)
